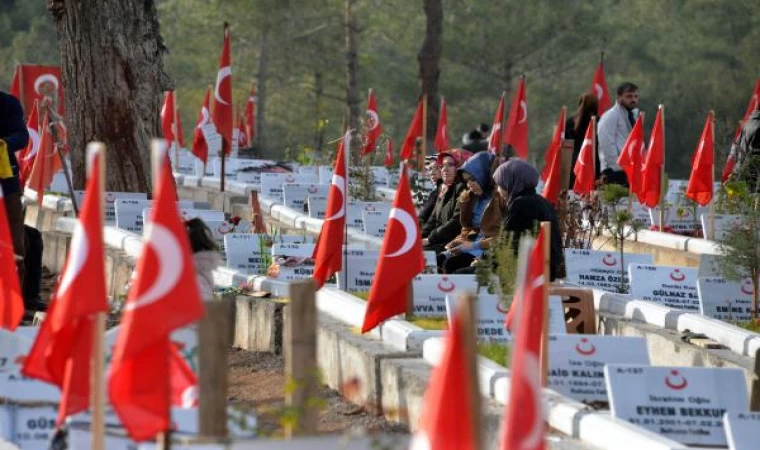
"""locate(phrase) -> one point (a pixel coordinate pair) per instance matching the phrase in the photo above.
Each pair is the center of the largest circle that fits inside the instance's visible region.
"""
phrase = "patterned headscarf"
(515, 176)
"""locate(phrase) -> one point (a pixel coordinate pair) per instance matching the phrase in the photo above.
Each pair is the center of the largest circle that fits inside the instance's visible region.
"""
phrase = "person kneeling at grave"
(206, 256)
(443, 225)
(524, 209)
(479, 216)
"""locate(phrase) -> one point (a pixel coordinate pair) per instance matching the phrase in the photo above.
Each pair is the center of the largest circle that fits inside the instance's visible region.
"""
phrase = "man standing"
(614, 127)
(746, 152)
(13, 137)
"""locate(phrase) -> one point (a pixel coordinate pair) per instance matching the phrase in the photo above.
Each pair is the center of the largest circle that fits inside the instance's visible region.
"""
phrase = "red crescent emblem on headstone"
(609, 260)
(585, 351)
(747, 287)
(676, 275)
(445, 285)
(110, 198)
(20, 360)
(290, 179)
(369, 208)
(500, 309)
(312, 189)
(676, 386)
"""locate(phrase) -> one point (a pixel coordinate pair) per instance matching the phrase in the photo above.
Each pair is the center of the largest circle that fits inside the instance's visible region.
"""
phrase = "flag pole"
(466, 309)
(502, 122)
(21, 90)
(97, 386)
(711, 212)
(175, 125)
(545, 232)
(211, 101)
(423, 147)
(593, 147)
(662, 170)
(346, 160)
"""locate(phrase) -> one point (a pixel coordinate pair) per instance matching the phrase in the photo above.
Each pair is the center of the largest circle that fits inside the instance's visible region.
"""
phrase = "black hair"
(626, 87)
(201, 238)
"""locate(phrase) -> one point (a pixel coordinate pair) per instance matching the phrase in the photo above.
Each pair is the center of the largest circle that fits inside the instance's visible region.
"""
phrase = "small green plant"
(496, 352)
(618, 221)
(740, 250)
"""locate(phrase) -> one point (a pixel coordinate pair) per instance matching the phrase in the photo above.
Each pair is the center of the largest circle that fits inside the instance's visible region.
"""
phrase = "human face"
(502, 193)
(629, 100)
(434, 172)
(472, 185)
(448, 170)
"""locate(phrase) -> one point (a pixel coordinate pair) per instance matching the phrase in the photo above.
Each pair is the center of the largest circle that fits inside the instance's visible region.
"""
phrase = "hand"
(454, 243)
(425, 242)
(466, 245)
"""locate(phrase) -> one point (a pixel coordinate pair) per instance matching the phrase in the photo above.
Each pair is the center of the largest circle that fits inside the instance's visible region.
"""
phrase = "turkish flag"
(32, 83)
(700, 187)
(401, 259)
(754, 104)
(164, 297)
(46, 164)
(183, 381)
(242, 136)
(200, 147)
(494, 139)
(27, 156)
(599, 88)
(327, 253)
(414, 132)
(555, 145)
(167, 117)
(516, 133)
(373, 128)
(389, 154)
(62, 352)
(250, 116)
(630, 158)
(445, 422)
(442, 133)
(222, 115)
(524, 426)
(728, 168)
(584, 166)
(651, 181)
(11, 301)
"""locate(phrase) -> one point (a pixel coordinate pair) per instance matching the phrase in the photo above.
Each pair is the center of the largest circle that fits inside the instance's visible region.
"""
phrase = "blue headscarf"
(479, 168)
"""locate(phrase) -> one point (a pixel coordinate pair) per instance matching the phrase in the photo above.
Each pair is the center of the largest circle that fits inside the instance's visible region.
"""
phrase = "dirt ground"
(257, 382)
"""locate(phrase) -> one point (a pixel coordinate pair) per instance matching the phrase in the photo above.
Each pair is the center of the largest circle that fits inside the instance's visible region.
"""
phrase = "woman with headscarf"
(443, 223)
(479, 216)
(575, 129)
(524, 210)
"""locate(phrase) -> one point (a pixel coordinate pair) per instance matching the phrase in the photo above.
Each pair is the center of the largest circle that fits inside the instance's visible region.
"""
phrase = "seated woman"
(443, 224)
(479, 216)
(433, 170)
(524, 210)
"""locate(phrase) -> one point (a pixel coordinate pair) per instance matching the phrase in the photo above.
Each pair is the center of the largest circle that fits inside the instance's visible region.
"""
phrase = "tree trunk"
(113, 77)
(319, 89)
(352, 91)
(429, 59)
(261, 94)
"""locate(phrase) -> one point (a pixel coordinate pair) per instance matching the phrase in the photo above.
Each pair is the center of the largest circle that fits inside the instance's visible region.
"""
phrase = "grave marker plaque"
(675, 287)
(742, 430)
(600, 270)
(293, 261)
(724, 299)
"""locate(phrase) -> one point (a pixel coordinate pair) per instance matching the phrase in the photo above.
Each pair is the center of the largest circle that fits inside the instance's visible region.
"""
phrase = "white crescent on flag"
(46, 78)
(374, 119)
(410, 231)
(599, 91)
(524, 108)
(169, 255)
(340, 183)
(76, 259)
(223, 73)
(34, 136)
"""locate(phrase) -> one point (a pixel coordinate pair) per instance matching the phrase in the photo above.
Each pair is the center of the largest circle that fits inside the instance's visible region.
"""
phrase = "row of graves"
(30, 407)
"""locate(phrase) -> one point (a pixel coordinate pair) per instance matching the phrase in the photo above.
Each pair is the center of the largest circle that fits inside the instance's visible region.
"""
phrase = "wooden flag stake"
(663, 186)
(502, 122)
(97, 383)
(212, 369)
(175, 126)
(546, 228)
(423, 146)
(466, 311)
(711, 212)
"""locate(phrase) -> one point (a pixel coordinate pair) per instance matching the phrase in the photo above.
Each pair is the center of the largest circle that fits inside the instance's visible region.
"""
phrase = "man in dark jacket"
(747, 151)
(13, 137)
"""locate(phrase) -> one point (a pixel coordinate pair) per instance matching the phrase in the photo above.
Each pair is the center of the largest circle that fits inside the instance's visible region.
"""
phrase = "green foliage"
(428, 323)
(498, 353)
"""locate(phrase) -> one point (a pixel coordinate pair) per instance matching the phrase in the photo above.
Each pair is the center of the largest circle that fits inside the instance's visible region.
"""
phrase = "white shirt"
(612, 132)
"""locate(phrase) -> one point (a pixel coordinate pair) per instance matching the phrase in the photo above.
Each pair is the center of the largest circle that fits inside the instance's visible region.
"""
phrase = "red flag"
(599, 88)
(200, 147)
(555, 145)
(327, 253)
(242, 136)
(516, 133)
(180, 132)
(728, 169)
(445, 424)
(33, 82)
(373, 126)
(524, 426)
(184, 383)
(389, 154)
(27, 156)
(400, 259)
(754, 104)
(415, 131)
(494, 138)
(167, 117)
(700, 187)
(651, 180)
(222, 115)
(62, 352)
(442, 133)
(584, 166)
(11, 302)
(630, 158)
(46, 165)
(250, 116)
(163, 298)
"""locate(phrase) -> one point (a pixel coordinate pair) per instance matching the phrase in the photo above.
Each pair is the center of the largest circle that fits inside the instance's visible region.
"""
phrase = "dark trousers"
(15, 212)
(457, 262)
(32, 265)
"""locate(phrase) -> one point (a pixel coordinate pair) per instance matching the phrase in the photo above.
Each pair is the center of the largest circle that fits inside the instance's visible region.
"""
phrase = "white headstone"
(709, 266)
(111, 197)
(725, 299)
(723, 224)
(600, 270)
(16, 387)
(271, 183)
(129, 212)
(185, 339)
(430, 292)
(356, 209)
(325, 174)
(296, 194)
(374, 223)
(13, 349)
(29, 427)
(317, 206)
(361, 268)
(675, 287)
(680, 218)
(251, 253)
(576, 362)
(685, 404)
(311, 170)
(742, 430)
(491, 317)
(294, 261)
(380, 175)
